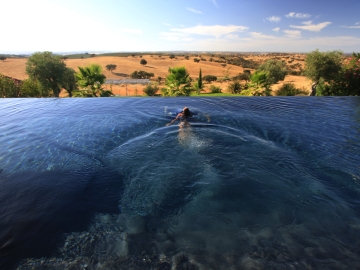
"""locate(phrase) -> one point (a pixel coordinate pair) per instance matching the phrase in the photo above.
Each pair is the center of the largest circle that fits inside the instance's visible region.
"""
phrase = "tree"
(200, 83)
(143, 62)
(347, 81)
(172, 56)
(2, 58)
(209, 78)
(90, 79)
(177, 82)
(141, 74)
(110, 67)
(322, 65)
(48, 69)
(196, 60)
(69, 82)
(275, 69)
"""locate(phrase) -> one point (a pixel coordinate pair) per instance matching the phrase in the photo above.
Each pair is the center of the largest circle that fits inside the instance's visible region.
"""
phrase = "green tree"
(323, 65)
(2, 58)
(177, 82)
(110, 67)
(141, 74)
(275, 69)
(90, 79)
(143, 62)
(347, 81)
(199, 85)
(172, 56)
(69, 81)
(48, 69)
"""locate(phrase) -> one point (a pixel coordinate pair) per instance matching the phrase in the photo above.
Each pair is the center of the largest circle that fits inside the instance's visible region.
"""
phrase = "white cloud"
(307, 22)
(292, 33)
(167, 24)
(194, 10)
(172, 36)
(259, 35)
(277, 29)
(131, 31)
(312, 27)
(215, 4)
(273, 19)
(297, 15)
(211, 30)
(356, 25)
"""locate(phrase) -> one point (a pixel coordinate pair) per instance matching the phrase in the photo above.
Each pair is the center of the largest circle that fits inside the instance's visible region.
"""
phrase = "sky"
(179, 25)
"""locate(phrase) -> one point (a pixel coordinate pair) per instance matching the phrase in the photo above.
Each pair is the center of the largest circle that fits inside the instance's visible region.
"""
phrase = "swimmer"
(182, 116)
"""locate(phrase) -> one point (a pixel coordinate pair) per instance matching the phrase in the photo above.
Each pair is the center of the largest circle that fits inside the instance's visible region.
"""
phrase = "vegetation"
(141, 75)
(33, 88)
(69, 81)
(177, 82)
(258, 85)
(110, 67)
(143, 62)
(3, 58)
(276, 70)
(289, 89)
(90, 80)
(215, 89)
(323, 65)
(8, 87)
(234, 87)
(209, 78)
(48, 69)
(151, 89)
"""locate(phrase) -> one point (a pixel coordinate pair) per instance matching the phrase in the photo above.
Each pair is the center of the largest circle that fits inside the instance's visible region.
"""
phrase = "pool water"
(253, 183)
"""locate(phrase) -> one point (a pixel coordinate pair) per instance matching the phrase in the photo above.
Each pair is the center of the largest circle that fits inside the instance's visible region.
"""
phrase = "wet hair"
(186, 112)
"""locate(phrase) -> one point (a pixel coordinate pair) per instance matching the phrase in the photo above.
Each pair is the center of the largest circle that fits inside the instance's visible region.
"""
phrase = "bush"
(209, 78)
(215, 89)
(143, 62)
(289, 89)
(151, 89)
(235, 87)
(141, 75)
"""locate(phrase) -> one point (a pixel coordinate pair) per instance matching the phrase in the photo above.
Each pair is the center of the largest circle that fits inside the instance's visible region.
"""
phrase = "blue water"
(254, 183)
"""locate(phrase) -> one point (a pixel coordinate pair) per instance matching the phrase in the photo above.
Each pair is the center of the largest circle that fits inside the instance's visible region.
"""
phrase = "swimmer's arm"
(173, 120)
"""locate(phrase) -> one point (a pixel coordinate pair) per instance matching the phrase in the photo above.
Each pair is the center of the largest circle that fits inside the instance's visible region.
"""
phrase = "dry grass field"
(15, 67)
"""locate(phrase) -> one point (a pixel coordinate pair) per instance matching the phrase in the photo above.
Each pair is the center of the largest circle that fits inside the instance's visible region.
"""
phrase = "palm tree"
(177, 82)
(90, 79)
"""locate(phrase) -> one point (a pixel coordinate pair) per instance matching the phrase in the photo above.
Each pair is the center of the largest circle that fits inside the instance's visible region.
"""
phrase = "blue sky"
(180, 25)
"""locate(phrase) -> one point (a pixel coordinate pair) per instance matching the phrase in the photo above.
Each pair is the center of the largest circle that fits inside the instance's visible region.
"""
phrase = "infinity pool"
(253, 183)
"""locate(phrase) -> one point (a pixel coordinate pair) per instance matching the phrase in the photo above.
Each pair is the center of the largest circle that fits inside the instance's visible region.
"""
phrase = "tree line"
(331, 73)
(49, 75)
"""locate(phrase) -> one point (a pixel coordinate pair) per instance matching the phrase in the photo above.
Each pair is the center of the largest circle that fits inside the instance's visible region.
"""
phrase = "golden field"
(15, 67)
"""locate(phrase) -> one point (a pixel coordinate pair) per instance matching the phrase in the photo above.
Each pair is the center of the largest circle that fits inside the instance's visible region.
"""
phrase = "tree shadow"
(121, 74)
(150, 67)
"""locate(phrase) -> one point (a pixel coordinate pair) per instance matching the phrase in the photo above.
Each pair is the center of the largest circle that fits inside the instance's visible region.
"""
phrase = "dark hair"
(186, 112)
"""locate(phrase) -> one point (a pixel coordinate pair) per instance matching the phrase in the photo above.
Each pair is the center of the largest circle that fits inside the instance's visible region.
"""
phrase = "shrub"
(215, 89)
(235, 87)
(289, 89)
(143, 62)
(209, 78)
(151, 89)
